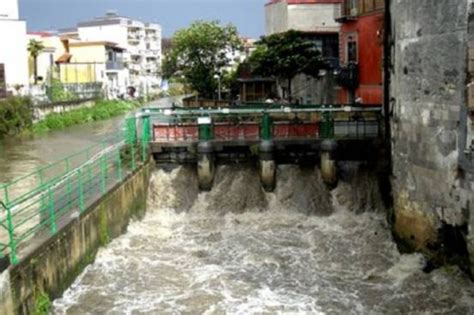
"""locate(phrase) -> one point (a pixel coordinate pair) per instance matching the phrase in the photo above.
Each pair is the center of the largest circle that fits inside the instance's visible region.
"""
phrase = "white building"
(13, 41)
(141, 41)
(302, 15)
(317, 20)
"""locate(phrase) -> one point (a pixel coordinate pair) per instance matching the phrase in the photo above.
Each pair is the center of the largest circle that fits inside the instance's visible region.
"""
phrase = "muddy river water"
(237, 250)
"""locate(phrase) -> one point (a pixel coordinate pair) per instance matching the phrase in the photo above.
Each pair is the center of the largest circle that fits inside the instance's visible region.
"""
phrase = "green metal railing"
(36, 206)
(335, 120)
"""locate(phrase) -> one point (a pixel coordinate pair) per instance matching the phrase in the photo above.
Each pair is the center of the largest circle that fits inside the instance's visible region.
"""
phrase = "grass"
(102, 110)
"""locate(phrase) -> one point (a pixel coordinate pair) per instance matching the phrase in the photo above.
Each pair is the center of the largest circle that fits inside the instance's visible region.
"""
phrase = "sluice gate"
(266, 134)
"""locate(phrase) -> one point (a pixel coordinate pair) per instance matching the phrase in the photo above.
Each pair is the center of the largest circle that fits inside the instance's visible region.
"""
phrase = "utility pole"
(218, 76)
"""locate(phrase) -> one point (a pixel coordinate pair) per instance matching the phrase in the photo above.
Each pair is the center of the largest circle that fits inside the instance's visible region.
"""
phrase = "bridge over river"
(303, 248)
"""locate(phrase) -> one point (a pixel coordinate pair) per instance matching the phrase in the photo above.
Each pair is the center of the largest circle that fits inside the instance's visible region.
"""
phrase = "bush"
(16, 114)
(100, 111)
(59, 94)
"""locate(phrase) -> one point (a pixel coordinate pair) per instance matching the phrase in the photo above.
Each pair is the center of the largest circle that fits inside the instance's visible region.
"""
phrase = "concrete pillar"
(328, 162)
(267, 165)
(206, 165)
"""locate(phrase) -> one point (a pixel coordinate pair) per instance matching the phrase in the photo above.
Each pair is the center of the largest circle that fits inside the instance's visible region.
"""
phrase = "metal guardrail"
(336, 120)
(58, 193)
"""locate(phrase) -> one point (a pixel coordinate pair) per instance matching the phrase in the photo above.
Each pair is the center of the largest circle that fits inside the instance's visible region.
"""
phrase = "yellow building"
(88, 62)
(81, 65)
(95, 62)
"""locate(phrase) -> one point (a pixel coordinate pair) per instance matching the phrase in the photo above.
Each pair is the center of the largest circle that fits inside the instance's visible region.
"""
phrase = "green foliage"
(199, 53)
(42, 303)
(286, 55)
(101, 111)
(57, 92)
(35, 48)
(175, 90)
(229, 82)
(16, 113)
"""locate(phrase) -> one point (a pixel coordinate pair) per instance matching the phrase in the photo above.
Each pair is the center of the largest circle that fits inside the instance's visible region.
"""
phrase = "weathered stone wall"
(50, 270)
(429, 92)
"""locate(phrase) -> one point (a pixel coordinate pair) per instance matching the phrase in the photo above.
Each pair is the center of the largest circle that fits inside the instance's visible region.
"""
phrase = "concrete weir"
(328, 162)
(48, 271)
(267, 165)
(205, 166)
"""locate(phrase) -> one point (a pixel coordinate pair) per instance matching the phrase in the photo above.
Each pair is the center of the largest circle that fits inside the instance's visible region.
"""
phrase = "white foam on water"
(237, 250)
(407, 266)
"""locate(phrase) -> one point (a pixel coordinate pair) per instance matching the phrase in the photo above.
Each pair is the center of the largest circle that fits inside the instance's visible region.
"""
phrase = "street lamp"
(218, 77)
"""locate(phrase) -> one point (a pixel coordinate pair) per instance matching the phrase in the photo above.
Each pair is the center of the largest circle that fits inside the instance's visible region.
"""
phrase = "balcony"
(352, 9)
(348, 76)
(114, 65)
(134, 38)
(152, 53)
(349, 11)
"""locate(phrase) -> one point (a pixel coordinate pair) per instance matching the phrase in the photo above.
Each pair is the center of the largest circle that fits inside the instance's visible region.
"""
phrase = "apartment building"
(96, 62)
(317, 19)
(141, 43)
(13, 54)
(361, 46)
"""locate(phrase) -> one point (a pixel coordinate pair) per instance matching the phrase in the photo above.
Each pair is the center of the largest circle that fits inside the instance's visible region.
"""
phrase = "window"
(351, 7)
(352, 51)
(318, 44)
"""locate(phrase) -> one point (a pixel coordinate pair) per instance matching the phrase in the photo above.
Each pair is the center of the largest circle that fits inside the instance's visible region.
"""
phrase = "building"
(141, 43)
(82, 67)
(13, 54)
(95, 62)
(316, 18)
(432, 148)
(361, 44)
(54, 48)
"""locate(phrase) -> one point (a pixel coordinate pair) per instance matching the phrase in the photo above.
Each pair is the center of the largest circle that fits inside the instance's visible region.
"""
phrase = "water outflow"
(237, 250)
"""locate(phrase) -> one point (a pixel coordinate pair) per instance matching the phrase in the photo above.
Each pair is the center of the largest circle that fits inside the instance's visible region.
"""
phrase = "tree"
(199, 53)
(286, 55)
(35, 48)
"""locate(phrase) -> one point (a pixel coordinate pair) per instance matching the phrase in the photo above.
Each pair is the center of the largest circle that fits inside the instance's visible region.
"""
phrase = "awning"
(65, 58)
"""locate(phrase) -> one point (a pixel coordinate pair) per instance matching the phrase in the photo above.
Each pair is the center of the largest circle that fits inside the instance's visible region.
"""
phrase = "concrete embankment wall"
(50, 270)
(428, 125)
(43, 110)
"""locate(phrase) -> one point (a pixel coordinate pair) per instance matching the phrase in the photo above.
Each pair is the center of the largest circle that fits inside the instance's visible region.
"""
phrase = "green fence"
(38, 205)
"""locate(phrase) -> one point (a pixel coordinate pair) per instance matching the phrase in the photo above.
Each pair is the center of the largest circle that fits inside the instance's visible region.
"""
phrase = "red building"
(361, 44)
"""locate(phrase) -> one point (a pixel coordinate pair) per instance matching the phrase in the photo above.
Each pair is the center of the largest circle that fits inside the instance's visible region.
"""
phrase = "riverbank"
(17, 115)
(102, 110)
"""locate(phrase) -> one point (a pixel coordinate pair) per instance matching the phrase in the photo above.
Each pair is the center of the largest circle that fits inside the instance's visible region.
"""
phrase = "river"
(22, 156)
(237, 250)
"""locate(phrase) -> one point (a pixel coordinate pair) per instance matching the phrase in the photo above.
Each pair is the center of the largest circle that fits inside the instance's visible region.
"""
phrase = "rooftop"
(305, 2)
(95, 43)
(113, 18)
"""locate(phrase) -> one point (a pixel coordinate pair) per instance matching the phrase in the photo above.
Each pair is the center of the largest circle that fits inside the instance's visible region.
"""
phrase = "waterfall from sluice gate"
(237, 250)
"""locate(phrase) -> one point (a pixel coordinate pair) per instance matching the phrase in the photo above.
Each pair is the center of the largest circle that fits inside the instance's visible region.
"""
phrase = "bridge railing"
(36, 206)
(331, 121)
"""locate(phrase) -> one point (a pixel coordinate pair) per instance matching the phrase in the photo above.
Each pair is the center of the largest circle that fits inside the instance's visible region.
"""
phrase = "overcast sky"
(247, 15)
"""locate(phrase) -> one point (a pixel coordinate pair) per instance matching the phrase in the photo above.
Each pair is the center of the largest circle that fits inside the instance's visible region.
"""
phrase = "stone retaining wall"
(45, 274)
(429, 124)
